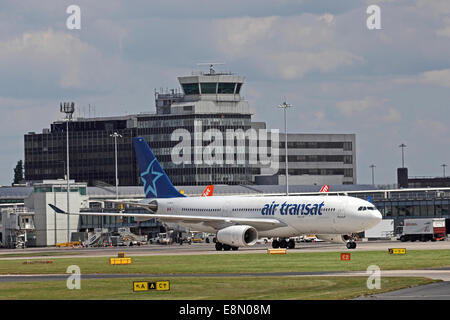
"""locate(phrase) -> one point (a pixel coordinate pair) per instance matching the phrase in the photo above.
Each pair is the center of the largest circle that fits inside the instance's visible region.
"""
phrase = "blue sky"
(387, 86)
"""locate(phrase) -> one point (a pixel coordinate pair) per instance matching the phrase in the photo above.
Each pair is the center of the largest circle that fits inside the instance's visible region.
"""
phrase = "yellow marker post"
(114, 261)
(276, 251)
(397, 250)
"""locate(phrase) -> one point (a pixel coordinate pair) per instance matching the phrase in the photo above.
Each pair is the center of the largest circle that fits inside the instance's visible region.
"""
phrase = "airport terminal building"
(208, 127)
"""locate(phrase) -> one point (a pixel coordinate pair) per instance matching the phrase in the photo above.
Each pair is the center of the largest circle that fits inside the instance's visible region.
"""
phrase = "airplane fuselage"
(298, 214)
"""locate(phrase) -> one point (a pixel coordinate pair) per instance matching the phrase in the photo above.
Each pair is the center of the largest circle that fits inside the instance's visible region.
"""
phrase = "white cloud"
(436, 77)
(433, 128)
(353, 107)
(369, 110)
(440, 78)
(392, 115)
(236, 35)
(327, 18)
(294, 65)
(441, 7)
(62, 59)
(284, 47)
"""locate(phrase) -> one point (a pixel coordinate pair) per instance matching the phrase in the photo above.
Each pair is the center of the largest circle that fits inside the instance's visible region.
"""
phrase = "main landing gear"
(225, 247)
(283, 243)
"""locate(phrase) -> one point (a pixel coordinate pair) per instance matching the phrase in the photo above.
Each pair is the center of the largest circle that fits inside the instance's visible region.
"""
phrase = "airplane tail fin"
(156, 182)
(325, 188)
(208, 191)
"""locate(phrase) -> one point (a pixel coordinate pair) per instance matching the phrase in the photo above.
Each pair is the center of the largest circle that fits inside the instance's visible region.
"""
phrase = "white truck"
(383, 230)
(423, 229)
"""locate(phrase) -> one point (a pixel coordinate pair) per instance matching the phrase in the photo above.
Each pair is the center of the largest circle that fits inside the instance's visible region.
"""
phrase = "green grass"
(270, 287)
(219, 288)
(238, 263)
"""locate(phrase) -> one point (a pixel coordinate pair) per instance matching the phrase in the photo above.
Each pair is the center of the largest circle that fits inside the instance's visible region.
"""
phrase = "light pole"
(372, 166)
(403, 156)
(68, 109)
(116, 135)
(443, 168)
(284, 106)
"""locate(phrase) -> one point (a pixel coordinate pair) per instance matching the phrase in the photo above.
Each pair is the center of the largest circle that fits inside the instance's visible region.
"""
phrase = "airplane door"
(341, 213)
(226, 209)
(340, 217)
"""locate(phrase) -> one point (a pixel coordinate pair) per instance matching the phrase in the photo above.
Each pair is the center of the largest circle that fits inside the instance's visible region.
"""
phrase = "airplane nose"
(375, 217)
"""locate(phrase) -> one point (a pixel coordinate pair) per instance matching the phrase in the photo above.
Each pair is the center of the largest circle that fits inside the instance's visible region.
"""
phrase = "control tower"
(205, 93)
(207, 100)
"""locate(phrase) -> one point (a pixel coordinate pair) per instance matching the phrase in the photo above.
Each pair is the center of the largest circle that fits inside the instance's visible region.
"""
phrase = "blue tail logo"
(149, 178)
(156, 182)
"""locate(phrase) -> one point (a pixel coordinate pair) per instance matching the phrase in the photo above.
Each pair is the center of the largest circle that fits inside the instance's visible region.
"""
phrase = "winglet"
(57, 210)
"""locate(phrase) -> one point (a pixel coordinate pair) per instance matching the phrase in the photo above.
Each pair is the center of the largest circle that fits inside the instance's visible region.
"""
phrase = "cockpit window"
(366, 208)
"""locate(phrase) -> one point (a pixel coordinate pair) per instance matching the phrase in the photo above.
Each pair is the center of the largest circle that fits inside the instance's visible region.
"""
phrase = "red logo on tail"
(208, 191)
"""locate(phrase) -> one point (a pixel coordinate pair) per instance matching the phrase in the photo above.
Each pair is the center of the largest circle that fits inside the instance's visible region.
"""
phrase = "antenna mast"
(211, 65)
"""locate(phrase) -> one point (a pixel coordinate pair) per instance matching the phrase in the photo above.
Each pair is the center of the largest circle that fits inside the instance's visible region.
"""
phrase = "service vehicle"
(423, 229)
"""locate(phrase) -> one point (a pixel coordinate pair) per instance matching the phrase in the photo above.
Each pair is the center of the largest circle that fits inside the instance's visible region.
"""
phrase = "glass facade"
(410, 204)
(158, 131)
(208, 87)
(226, 88)
(190, 88)
(91, 153)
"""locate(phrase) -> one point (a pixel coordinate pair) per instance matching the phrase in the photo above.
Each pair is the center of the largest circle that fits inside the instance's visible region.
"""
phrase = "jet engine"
(337, 238)
(238, 236)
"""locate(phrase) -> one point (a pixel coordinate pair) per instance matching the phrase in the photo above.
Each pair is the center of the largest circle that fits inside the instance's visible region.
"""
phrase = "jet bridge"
(18, 222)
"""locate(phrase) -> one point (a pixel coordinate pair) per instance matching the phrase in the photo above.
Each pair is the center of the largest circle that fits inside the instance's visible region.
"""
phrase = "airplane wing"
(148, 206)
(261, 224)
(208, 192)
(222, 222)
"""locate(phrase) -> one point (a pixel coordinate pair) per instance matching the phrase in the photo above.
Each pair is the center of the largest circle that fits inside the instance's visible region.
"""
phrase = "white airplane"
(238, 221)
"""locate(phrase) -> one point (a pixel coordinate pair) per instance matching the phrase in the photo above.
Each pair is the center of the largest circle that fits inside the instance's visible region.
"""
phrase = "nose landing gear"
(283, 243)
(351, 244)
